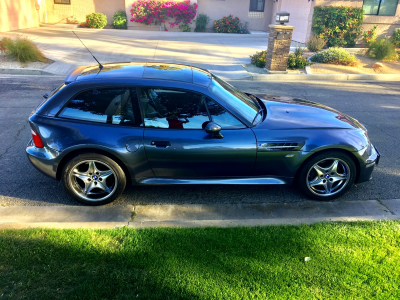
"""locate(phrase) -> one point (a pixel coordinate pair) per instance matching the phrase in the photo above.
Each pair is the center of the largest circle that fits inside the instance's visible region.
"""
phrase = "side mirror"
(214, 129)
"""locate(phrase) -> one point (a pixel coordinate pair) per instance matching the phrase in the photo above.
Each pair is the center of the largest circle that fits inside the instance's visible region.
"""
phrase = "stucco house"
(18, 14)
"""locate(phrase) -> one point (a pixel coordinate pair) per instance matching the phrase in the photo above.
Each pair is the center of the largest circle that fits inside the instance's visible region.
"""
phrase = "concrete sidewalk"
(223, 54)
(221, 215)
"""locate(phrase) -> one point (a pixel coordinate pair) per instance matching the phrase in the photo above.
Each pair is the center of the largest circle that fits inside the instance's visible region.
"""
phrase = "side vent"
(279, 146)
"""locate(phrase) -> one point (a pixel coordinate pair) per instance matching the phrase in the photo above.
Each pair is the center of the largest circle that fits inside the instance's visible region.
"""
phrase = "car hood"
(292, 113)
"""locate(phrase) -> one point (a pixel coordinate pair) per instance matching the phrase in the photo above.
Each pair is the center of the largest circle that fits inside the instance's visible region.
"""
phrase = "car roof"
(137, 70)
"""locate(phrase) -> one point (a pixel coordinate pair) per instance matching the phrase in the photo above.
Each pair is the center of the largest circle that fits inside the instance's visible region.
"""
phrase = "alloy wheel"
(328, 177)
(93, 180)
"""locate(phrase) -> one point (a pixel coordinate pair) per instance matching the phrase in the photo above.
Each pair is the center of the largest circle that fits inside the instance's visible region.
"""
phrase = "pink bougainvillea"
(157, 11)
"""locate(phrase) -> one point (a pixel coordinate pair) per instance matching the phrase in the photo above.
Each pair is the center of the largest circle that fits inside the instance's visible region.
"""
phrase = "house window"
(62, 1)
(257, 5)
(380, 7)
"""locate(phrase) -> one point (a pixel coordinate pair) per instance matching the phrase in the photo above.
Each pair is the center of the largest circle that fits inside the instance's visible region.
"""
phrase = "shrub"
(396, 38)
(259, 59)
(296, 59)
(157, 11)
(96, 20)
(296, 62)
(370, 36)
(315, 44)
(201, 23)
(5, 44)
(335, 55)
(383, 49)
(119, 20)
(21, 49)
(227, 25)
(185, 28)
(338, 25)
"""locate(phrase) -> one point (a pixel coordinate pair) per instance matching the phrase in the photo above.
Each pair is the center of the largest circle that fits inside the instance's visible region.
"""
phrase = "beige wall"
(300, 17)
(217, 9)
(18, 14)
(64, 13)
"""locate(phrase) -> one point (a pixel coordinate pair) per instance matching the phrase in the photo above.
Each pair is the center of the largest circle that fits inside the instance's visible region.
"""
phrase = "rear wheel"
(327, 176)
(93, 179)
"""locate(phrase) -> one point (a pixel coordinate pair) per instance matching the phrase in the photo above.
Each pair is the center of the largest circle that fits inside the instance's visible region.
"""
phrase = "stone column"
(280, 38)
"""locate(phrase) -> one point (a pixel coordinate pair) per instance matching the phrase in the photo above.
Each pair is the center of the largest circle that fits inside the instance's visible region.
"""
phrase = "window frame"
(256, 9)
(186, 90)
(69, 2)
(130, 88)
(379, 8)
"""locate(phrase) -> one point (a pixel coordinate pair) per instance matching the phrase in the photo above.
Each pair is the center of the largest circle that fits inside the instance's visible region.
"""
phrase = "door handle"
(160, 144)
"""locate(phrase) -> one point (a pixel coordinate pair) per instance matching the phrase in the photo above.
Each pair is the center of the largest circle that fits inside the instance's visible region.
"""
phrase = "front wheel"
(93, 179)
(327, 176)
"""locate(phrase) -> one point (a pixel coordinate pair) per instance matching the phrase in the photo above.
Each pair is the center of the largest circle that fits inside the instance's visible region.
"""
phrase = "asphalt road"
(375, 104)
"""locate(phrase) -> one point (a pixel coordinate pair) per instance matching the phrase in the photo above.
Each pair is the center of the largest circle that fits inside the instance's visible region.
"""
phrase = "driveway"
(222, 53)
(375, 104)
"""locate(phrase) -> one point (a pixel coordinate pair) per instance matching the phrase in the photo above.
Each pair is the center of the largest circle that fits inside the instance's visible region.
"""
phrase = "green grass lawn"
(348, 261)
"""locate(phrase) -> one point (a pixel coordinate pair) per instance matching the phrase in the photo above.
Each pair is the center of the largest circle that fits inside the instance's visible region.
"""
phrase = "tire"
(319, 179)
(93, 179)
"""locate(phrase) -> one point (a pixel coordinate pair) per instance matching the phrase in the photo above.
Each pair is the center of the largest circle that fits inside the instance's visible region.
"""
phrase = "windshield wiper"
(259, 111)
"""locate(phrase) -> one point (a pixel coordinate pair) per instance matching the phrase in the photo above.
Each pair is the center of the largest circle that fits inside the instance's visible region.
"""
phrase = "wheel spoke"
(320, 171)
(105, 174)
(333, 167)
(92, 168)
(328, 187)
(338, 178)
(316, 181)
(88, 187)
(103, 186)
(81, 175)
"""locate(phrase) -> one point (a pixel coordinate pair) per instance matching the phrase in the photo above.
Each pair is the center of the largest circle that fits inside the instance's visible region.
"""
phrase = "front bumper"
(369, 159)
(44, 159)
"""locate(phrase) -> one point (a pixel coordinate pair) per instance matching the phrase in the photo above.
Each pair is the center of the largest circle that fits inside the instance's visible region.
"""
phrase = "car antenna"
(100, 65)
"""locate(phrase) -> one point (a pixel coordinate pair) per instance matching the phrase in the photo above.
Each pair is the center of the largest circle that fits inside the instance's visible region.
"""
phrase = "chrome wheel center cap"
(326, 176)
(95, 177)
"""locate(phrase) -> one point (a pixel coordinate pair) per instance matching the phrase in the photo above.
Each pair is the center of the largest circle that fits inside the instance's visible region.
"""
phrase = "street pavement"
(375, 104)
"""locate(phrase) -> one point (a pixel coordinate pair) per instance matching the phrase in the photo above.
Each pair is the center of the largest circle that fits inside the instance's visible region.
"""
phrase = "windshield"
(244, 104)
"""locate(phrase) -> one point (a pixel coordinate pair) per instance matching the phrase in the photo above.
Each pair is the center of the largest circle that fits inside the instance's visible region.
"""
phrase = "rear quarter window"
(50, 94)
(104, 105)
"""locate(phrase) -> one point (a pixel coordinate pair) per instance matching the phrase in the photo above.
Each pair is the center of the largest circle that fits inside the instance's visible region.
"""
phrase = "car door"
(177, 145)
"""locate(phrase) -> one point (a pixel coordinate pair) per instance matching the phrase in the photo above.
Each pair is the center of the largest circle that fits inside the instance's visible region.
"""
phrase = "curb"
(25, 72)
(196, 215)
(327, 77)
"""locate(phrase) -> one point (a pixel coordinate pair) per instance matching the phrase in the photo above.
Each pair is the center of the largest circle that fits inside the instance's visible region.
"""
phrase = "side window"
(222, 117)
(108, 105)
(174, 109)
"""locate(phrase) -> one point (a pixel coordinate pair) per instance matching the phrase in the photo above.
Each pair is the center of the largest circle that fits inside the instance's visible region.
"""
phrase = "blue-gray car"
(159, 123)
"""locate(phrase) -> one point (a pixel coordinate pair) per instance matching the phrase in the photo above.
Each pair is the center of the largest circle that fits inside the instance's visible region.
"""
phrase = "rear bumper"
(43, 159)
(367, 163)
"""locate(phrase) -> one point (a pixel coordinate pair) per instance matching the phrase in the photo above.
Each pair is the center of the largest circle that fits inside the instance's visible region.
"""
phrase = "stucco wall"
(18, 14)
(300, 17)
(217, 9)
(64, 13)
